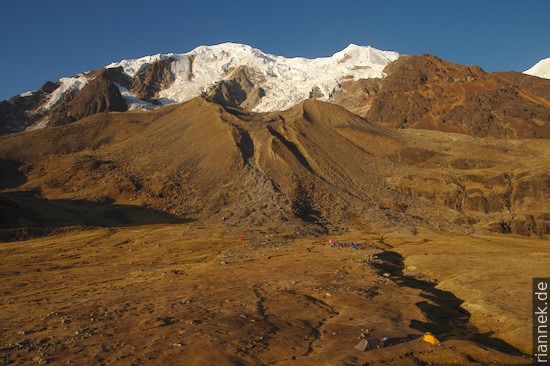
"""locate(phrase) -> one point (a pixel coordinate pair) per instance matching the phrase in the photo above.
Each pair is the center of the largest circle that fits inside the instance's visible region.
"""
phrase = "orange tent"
(430, 338)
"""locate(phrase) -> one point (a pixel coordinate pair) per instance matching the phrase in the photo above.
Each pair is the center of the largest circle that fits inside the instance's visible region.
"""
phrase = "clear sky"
(44, 40)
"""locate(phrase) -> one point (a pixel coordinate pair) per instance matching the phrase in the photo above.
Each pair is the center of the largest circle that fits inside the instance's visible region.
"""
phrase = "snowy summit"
(284, 81)
(540, 69)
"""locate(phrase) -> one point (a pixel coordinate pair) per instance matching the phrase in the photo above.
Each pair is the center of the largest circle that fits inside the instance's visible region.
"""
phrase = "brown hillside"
(429, 93)
(314, 167)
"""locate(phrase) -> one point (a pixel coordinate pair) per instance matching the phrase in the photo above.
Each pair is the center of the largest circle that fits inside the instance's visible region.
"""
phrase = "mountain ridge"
(427, 180)
(235, 75)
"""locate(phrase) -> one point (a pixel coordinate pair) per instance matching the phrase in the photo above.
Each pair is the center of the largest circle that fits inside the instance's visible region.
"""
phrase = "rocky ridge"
(429, 93)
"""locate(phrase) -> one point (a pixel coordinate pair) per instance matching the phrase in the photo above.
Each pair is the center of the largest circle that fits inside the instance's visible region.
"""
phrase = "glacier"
(286, 81)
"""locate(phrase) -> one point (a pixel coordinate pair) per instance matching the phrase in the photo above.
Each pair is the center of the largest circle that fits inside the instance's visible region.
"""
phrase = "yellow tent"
(430, 338)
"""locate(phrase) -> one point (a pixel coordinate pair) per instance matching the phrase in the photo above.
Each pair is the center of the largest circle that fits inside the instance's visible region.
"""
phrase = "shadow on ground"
(25, 215)
(10, 174)
(446, 318)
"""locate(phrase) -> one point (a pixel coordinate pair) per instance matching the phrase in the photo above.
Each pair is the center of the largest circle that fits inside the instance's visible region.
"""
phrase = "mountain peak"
(365, 54)
(352, 47)
(540, 69)
(241, 75)
(265, 82)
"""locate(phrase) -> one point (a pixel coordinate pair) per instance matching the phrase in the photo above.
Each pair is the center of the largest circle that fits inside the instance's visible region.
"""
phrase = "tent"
(371, 343)
(430, 338)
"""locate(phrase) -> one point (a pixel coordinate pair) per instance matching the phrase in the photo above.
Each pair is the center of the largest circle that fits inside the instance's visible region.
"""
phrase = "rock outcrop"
(22, 111)
(99, 94)
(150, 81)
(427, 92)
(239, 89)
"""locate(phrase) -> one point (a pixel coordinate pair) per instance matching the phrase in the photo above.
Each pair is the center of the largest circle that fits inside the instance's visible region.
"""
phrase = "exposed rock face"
(190, 74)
(504, 203)
(239, 89)
(99, 95)
(357, 95)
(427, 92)
(316, 93)
(19, 112)
(149, 82)
(117, 75)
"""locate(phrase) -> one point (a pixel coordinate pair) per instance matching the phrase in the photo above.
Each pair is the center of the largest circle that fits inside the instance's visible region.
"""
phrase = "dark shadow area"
(302, 208)
(239, 112)
(487, 340)
(447, 319)
(395, 341)
(10, 174)
(246, 146)
(26, 214)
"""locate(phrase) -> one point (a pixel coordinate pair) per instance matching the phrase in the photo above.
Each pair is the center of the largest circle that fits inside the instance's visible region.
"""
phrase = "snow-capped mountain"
(284, 81)
(230, 73)
(404, 92)
(540, 69)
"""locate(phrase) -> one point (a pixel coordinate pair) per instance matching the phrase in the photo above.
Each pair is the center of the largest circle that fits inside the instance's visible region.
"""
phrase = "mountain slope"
(313, 168)
(429, 93)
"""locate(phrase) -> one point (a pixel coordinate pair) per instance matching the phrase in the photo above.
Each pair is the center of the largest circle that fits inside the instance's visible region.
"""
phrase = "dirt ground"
(197, 294)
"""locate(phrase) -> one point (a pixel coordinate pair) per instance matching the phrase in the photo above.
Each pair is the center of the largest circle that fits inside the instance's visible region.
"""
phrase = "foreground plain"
(197, 294)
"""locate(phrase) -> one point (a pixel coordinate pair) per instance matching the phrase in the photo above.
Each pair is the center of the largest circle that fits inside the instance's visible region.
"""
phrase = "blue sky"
(43, 40)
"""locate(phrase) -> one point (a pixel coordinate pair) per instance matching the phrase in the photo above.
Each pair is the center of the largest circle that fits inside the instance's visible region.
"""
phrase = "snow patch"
(38, 125)
(132, 102)
(135, 66)
(71, 84)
